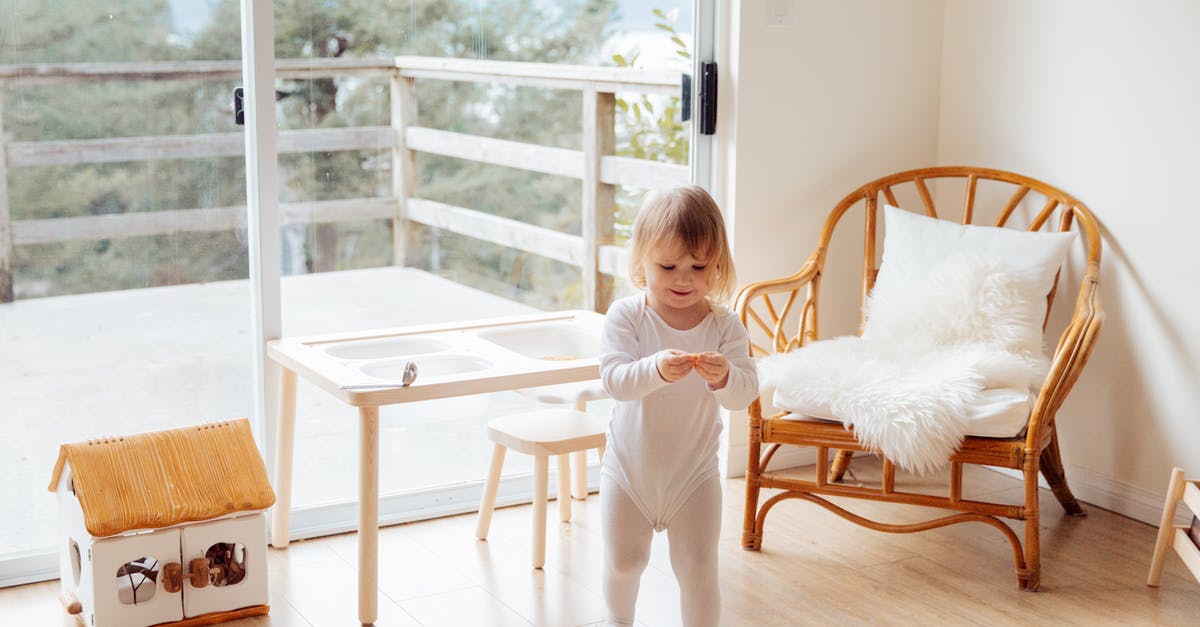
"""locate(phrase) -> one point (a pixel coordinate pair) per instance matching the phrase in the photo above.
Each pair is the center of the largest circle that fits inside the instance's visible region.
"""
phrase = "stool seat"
(541, 433)
(549, 431)
(577, 395)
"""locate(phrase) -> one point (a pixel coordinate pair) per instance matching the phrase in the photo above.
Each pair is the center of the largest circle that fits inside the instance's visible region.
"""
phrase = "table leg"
(487, 504)
(368, 514)
(285, 439)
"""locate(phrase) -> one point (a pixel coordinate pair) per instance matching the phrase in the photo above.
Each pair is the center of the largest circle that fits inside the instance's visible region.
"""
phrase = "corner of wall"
(941, 73)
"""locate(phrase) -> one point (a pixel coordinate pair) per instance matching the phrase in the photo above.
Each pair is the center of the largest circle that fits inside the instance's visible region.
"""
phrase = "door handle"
(197, 574)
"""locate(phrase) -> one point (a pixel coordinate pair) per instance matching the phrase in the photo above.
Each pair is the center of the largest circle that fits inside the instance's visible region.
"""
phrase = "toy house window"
(226, 563)
(75, 561)
(137, 581)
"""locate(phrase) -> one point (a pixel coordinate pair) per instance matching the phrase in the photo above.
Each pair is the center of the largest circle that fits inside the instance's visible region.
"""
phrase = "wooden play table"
(364, 369)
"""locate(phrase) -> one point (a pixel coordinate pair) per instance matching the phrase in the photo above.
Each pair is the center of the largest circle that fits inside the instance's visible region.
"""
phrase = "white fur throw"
(925, 354)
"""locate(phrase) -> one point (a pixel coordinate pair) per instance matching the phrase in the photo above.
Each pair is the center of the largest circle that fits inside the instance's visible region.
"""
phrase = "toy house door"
(236, 552)
(128, 588)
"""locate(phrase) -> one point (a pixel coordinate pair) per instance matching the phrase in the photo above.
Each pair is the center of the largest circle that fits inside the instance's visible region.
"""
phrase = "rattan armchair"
(782, 314)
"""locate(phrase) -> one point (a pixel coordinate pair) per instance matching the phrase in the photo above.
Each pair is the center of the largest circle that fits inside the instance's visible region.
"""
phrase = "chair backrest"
(1055, 209)
(967, 195)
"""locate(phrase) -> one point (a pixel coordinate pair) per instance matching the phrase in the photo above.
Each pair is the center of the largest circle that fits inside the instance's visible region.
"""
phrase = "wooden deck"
(76, 367)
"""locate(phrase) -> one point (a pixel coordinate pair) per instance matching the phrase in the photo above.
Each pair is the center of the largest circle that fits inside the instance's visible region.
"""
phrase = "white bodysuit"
(660, 470)
(663, 437)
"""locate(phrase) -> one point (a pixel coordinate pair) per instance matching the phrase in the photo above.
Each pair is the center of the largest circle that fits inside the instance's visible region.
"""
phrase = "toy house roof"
(163, 478)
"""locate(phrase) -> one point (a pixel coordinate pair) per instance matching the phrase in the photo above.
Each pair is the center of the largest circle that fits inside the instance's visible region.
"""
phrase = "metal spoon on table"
(406, 380)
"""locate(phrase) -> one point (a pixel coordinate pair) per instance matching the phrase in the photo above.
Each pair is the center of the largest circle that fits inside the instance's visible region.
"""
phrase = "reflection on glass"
(124, 305)
(123, 301)
(485, 179)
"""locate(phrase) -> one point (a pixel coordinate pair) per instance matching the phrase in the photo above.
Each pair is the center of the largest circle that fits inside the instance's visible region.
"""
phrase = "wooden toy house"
(164, 527)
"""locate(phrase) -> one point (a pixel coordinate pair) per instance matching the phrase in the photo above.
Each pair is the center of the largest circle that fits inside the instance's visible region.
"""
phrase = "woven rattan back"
(1054, 209)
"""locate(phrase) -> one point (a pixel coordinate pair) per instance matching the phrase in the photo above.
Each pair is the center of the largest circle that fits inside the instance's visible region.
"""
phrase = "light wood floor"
(814, 569)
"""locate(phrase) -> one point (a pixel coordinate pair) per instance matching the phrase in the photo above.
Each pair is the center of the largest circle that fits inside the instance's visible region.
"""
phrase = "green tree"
(515, 30)
(649, 131)
(79, 31)
(33, 31)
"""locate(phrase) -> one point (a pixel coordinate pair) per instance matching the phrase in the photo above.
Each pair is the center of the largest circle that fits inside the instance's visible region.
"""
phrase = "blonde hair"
(683, 216)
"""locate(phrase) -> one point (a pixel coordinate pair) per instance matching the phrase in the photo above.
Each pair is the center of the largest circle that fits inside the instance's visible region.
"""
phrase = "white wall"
(845, 93)
(809, 111)
(1102, 98)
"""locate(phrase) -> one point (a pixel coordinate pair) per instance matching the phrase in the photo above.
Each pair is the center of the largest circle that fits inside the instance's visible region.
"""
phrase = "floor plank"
(814, 568)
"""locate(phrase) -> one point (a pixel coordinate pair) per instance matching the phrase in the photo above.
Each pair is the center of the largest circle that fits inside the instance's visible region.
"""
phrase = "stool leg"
(488, 503)
(541, 470)
(579, 467)
(565, 469)
(579, 475)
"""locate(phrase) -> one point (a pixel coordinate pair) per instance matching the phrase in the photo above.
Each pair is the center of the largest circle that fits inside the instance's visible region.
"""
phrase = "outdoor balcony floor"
(110, 363)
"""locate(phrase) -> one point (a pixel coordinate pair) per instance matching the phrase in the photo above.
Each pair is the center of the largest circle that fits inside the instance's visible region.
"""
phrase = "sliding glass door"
(431, 169)
(423, 161)
(124, 304)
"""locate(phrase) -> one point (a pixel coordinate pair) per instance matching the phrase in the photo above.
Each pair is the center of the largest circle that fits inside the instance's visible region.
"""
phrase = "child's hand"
(673, 365)
(713, 368)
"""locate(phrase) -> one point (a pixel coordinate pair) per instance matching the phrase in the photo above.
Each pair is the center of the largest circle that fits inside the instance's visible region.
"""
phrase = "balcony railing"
(596, 164)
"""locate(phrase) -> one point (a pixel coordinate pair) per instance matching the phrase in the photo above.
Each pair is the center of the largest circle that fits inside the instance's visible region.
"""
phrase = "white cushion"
(916, 247)
(952, 345)
(916, 251)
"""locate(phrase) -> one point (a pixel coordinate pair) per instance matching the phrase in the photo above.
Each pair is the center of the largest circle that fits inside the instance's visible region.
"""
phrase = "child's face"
(676, 280)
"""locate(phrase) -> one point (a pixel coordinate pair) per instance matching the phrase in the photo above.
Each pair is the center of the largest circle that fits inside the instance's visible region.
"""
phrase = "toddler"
(670, 357)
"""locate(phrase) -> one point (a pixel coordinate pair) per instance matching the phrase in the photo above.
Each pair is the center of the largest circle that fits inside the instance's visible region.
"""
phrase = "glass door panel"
(436, 174)
(122, 240)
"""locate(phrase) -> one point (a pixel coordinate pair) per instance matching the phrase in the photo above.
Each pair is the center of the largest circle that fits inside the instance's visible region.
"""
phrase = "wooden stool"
(577, 395)
(541, 434)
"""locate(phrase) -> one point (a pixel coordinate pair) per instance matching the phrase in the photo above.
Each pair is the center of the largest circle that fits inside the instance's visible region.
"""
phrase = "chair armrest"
(1074, 347)
(753, 304)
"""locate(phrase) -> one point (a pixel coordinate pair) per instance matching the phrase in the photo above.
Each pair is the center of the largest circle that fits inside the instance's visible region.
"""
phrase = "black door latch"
(707, 101)
(239, 107)
(708, 98)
